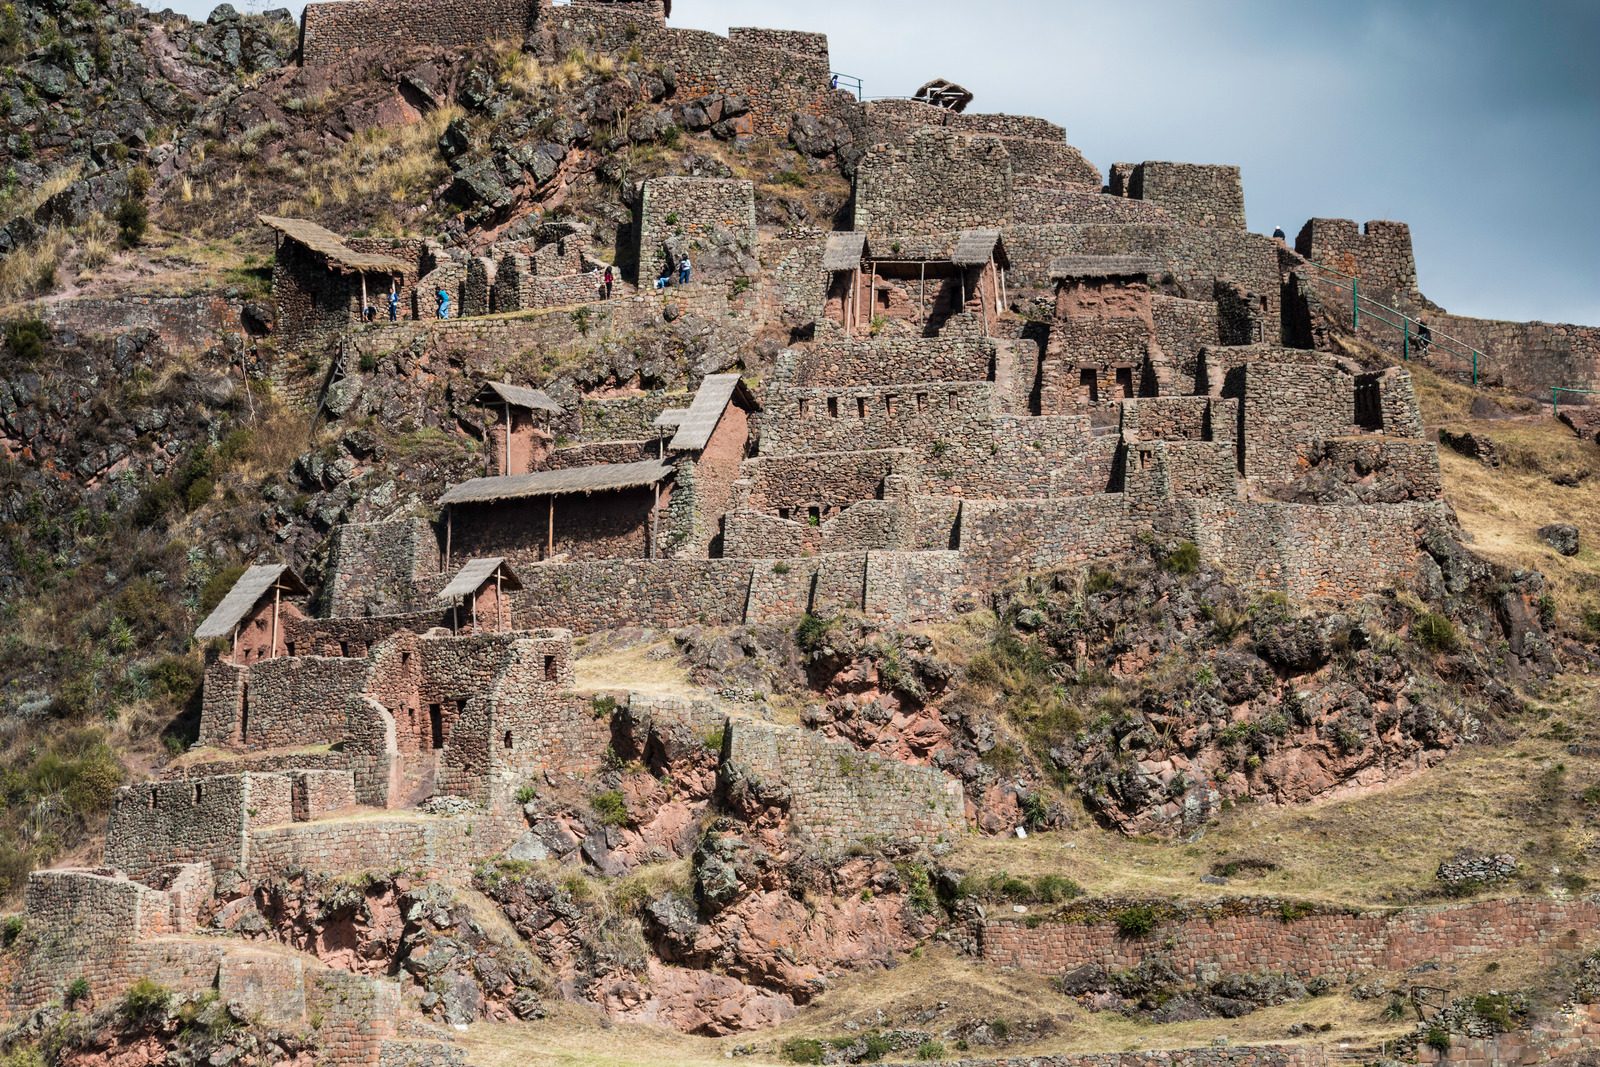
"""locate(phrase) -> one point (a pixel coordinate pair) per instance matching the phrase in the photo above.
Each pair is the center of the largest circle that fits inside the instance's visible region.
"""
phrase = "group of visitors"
(442, 295)
(685, 271)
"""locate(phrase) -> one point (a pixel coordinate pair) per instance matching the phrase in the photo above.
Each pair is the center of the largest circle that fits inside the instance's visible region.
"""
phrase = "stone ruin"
(919, 445)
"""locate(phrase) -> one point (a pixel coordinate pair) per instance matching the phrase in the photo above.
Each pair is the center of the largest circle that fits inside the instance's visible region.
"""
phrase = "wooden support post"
(499, 601)
(236, 643)
(550, 531)
(363, 315)
(507, 468)
(277, 598)
(449, 529)
(922, 295)
(475, 613)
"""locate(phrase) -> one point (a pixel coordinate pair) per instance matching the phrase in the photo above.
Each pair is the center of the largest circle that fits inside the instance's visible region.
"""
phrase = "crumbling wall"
(798, 42)
(840, 795)
(826, 481)
(381, 568)
(424, 844)
(938, 181)
(205, 820)
(610, 525)
(1001, 539)
(313, 303)
(1530, 357)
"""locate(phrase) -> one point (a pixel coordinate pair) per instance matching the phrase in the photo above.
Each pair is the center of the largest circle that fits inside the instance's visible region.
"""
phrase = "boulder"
(1561, 536)
(1471, 445)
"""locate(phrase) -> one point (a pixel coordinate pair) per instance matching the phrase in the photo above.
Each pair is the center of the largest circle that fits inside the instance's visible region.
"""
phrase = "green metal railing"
(1555, 396)
(850, 83)
(1415, 335)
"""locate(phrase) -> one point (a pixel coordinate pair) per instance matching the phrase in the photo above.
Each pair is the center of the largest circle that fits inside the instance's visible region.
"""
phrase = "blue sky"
(1476, 121)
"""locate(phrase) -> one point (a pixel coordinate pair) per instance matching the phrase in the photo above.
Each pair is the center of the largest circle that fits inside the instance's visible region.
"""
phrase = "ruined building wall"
(938, 181)
(1287, 407)
(797, 42)
(299, 701)
(1203, 195)
(890, 361)
(827, 480)
(313, 302)
(840, 795)
(201, 820)
(329, 31)
(381, 568)
(609, 525)
(694, 209)
(1379, 253)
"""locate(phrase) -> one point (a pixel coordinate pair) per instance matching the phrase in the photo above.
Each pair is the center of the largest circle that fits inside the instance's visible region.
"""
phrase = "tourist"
(833, 83)
(609, 279)
(444, 302)
(1424, 337)
(1279, 235)
(684, 270)
(394, 305)
(369, 312)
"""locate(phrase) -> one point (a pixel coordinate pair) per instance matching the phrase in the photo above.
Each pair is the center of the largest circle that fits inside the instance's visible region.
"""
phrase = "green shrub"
(1136, 920)
(1395, 1010)
(1291, 911)
(1436, 633)
(1054, 889)
(133, 219)
(1437, 1038)
(145, 1001)
(604, 706)
(713, 739)
(176, 678)
(77, 992)
(368, 363)
(877, 1047)
(526, 794)
(10, 930)
(813, 632)
(930, 1049)
(801, 1050)
(1184, 558)
(919, 888)
(611, 806)
(26, 338)
(1497, 1010)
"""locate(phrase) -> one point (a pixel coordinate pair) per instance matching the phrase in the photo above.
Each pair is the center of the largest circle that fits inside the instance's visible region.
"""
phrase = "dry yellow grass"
(1501, 509)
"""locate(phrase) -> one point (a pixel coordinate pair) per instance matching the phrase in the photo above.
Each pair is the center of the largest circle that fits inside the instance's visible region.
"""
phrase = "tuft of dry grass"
(34, 269)
(18, 202)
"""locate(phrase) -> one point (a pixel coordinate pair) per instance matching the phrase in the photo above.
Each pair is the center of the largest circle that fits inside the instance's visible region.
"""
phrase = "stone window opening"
(861, 407)
(784, 513)
(888, 406)
(435, 726)
(289, 648)
(833, 407)
(814, 515)
(922, 403)
(405, 659)
(1125, 381)
(549, 672)
(244, 713)
(344, 649)
(506, 741)
(1088, 380)
(1368, 403)
(197, 790)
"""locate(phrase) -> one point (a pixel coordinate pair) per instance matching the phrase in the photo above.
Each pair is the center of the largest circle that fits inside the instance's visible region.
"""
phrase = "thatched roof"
(717, 391)
(944, 94)
(974, 248)
(1065, 267)
(844, 251)
(600, 478)
(473, 575)
(247, 592)
(517, 397)
(331, 247)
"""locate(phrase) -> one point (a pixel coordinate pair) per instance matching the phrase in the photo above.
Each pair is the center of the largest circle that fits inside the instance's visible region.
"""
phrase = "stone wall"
(798, 42)
(329, 31)
(1001, 539)
(889, 361)
(589, 596)
(826, 481)
(1310, 552)
(1203, 942)
(1046, 204)
(1378, 253)
(703, 212)
(610, 525)
(203, 820)
(1530, 357)
(937, 181)
(1214, 1056)
(424, 844)
(840, 795)
(298, 701)
(381, 568)
(1201, 195)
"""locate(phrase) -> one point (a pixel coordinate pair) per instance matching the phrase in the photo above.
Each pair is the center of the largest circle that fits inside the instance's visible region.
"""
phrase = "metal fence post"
(1555, 402)
(1355, 303)
(1474, 367)
(1405, 343)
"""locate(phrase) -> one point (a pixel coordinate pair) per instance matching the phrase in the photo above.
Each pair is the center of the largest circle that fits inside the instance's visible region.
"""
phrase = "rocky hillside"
(1126, 738)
